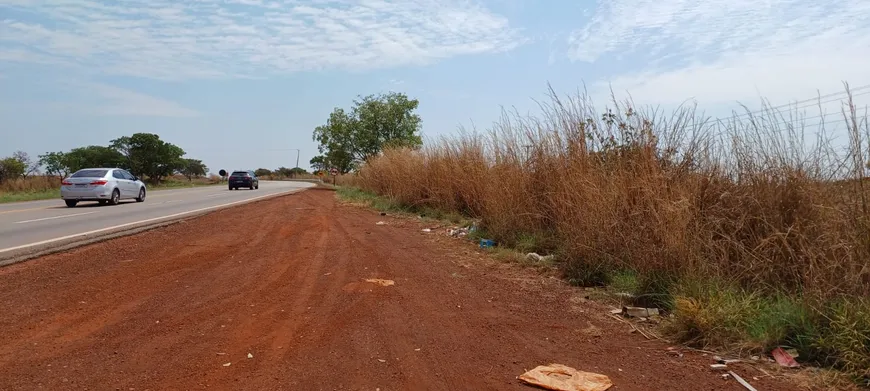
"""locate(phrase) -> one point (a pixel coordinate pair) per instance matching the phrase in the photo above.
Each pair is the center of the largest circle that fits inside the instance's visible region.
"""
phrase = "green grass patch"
(358, 196)
(29, 195)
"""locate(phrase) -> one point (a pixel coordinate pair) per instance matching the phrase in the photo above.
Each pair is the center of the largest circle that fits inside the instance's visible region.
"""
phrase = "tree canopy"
(193, 168)
(146, 154)
(373, 123)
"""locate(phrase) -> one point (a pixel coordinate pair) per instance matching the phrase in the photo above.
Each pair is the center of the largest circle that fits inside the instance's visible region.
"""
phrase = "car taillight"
(99, 182)
(66, 183)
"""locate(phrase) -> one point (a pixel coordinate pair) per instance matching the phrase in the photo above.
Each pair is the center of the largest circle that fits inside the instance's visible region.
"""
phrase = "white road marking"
(52, 218)
(145, 221)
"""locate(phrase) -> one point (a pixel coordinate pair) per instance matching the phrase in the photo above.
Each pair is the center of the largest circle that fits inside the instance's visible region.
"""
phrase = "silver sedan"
(104, 185)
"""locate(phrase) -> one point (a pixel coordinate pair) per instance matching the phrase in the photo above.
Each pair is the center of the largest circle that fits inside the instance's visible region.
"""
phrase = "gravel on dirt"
(273, 296)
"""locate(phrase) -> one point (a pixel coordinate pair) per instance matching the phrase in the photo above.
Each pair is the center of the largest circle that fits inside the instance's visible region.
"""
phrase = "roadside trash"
(228, 364)
(383, 213)
(535, 257)
(718, 367)
(487, 243)
(221, 354)
(250, 355)
(784, 359)
(382, 360)
(381, 282)
(558, 377)
(427, 230)
(457, 232)
(741, 381)
(381, 223)
(639, 312)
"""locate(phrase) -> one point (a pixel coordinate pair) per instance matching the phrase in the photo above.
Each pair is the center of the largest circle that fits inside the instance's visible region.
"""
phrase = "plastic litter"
(784, 359)
(558, 377)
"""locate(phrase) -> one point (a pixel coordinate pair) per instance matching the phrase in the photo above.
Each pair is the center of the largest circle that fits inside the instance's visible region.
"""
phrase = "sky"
(240, 84)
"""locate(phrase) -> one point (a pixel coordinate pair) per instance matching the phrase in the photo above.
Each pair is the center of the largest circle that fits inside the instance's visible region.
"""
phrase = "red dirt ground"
(283, 280)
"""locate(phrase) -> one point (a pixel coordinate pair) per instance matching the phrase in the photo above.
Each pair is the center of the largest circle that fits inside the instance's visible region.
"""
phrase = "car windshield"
(90, 174)
(240, 173)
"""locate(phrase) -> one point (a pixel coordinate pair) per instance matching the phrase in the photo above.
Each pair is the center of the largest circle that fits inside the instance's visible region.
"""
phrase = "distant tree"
(148, 155)
(11, 168)
(282, 172)
(262, 172)
(318, 163)
(54, 163)
(298, 171)
(193, 168)
(30, 166)
(92, 156)
(374, 123)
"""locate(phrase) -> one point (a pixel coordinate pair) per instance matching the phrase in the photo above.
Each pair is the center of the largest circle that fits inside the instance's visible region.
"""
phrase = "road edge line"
(64, 243)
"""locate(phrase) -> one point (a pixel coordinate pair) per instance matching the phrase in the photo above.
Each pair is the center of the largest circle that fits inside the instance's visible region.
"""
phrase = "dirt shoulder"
(284, 281)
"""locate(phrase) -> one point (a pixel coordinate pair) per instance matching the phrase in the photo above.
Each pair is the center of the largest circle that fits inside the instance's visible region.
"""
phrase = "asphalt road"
(39, 223)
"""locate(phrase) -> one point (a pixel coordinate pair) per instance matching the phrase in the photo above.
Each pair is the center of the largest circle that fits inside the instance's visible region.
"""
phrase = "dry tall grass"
(753, 203)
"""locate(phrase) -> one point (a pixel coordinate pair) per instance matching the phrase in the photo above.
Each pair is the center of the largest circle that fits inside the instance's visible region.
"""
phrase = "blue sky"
(233, 81)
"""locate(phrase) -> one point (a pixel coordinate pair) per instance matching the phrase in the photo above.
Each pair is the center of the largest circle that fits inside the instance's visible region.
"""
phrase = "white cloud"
(167, 39)
(719, 51)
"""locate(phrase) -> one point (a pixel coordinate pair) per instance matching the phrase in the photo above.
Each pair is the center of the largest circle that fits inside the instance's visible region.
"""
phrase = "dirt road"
(181, 308)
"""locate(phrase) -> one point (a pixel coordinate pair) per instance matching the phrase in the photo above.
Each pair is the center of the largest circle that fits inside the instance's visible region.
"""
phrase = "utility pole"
(297, 162)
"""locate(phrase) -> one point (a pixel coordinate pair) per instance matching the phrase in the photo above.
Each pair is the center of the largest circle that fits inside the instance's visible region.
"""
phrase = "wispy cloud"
(93, 98)
(166, 39)
(721, 50)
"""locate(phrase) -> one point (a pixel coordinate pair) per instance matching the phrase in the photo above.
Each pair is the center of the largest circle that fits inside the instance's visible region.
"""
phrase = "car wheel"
(257, 187)
(71, 203)
(141, 197)
(116, 197)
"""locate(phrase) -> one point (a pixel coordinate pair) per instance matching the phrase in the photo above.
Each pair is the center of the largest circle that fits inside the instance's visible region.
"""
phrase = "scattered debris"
(639, 312)
(674, 352)
(487, 243)
(221, 354)
(250, 355)
(741, 381)
(721, 360)
(382, 360)
(417, 350)
(381, 282)
(228, 364)
(380, 223)
(383, 213)
(535, 257)
(558, 377)
(457, 232)
(719, 367)
(783, 358)
(427, 230)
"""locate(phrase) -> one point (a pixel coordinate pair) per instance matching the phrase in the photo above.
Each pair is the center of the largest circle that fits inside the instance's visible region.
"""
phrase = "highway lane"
(37, 222)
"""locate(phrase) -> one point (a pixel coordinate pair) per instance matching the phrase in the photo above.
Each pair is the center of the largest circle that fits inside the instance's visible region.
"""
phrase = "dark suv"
(244, 179)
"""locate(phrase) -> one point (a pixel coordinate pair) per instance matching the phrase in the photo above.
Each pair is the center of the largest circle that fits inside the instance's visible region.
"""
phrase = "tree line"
(142, 154)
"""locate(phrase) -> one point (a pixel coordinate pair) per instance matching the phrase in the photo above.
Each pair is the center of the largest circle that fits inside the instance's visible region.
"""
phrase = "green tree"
(318, 163)
(11, 168)
(193, 168)
(54, 163)
(262, 172)
(92, 156)
(374, 123)
(148, 155)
